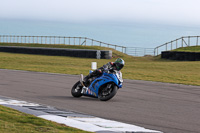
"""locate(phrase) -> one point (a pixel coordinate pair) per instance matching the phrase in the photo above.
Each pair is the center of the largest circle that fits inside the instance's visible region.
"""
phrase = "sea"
(135, 34)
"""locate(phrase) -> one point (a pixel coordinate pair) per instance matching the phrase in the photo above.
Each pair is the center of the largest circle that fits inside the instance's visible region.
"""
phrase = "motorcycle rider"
(111, 66)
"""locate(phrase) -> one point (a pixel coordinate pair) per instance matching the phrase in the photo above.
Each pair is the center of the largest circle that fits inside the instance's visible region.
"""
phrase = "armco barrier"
(83, 53)
(182, 56)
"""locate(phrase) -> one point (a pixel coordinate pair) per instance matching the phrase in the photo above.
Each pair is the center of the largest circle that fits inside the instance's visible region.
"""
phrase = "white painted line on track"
(17, 102)
(72, 123)
(93, 124)
(97, 124)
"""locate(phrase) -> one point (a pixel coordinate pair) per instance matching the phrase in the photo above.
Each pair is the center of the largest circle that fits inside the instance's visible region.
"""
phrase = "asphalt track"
(171, 108)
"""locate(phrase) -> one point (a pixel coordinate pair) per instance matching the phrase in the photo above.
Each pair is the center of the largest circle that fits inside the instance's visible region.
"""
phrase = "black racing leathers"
(98, 72)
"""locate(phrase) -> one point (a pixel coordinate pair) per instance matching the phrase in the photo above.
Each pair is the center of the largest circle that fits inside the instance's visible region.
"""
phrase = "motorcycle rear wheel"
(76, 90)
(106, 93)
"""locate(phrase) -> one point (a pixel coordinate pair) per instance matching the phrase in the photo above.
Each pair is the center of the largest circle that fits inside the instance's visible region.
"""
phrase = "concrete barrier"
(182, 56)
(83, 53)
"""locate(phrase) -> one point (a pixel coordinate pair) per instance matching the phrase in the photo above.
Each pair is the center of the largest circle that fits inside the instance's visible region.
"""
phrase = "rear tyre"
(76, 90)
(107, 92)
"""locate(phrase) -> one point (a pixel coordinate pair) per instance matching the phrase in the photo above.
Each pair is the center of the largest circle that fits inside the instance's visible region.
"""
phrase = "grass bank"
(188, 49)
(138, 68)
(12, 121)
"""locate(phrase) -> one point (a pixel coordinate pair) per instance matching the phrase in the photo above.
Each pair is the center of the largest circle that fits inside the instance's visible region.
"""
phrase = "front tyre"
(107, 92)
(76, 90)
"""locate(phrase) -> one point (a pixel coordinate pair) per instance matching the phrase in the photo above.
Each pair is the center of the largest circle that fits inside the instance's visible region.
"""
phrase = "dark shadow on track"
(72, 98)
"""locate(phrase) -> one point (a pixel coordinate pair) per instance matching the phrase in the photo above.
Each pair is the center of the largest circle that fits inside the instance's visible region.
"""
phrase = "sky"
(176, 12)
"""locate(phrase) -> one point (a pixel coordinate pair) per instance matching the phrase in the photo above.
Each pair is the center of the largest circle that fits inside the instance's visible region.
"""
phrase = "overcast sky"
(183, 12)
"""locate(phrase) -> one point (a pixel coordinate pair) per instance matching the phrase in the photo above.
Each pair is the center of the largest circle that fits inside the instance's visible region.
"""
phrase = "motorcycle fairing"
(94, 87)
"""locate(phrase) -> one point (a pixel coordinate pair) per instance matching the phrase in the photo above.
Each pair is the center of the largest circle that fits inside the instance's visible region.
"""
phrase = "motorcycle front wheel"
(76, 90)
(107, 92)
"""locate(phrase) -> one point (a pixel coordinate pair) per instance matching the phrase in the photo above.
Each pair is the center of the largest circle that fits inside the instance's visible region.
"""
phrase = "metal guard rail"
(177, 42)
(58, 40)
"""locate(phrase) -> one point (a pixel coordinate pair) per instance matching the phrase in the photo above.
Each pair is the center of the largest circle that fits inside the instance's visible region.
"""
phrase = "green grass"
(50, 45)
(138, 68)
(12, 121)
(188, 49)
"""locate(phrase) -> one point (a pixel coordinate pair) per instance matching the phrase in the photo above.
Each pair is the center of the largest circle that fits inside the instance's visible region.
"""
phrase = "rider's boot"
(81, 80)
(84, 81)
(84, 89)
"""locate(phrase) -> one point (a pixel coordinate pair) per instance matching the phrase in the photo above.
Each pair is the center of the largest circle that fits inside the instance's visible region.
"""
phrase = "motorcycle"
(103, 87)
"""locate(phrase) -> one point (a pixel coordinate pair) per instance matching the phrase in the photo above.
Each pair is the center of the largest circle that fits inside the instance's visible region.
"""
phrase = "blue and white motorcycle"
(103, 87)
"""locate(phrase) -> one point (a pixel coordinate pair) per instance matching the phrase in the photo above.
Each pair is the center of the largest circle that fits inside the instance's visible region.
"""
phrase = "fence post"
(25, 39)
(29, 39)
(50, 40)
(33, 39)
(79, 40)
(14, 39)
(85, 41)
(157, 51)
(37, 39)
(17, 39)
(69, 40)
(92, 42)
(171, 45)
(74, 41)
(46, 40)
(182, 42)
(41, 39)
(197, 40)
(54, 40)
(188, 40)
(166, 46)
(176, 44)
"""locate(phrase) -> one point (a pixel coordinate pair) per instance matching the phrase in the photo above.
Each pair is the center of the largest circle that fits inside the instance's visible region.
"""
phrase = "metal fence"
(58, 40)
(84, 41)
(134, 51)
(180, 42)
(137, 51)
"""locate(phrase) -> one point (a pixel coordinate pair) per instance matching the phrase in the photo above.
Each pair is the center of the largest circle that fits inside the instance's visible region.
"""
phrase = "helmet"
(119, 63)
